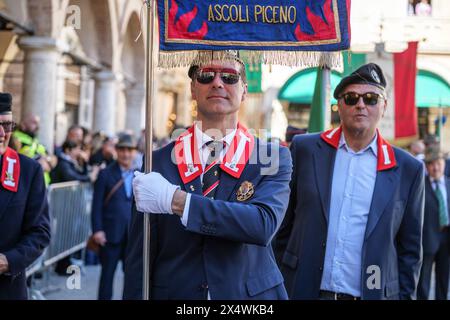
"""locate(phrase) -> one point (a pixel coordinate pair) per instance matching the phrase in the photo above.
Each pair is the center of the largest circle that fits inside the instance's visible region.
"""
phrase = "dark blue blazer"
(432, 236)
(226, 247)
(114, 217)
(24, 227)
(393, 237)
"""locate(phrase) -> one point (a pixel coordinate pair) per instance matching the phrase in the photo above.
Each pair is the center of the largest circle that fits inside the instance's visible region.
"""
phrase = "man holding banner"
(353, 229)
(216, 207)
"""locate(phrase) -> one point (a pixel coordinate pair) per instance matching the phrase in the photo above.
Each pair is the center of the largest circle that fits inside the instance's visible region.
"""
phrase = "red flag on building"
(400, 69)
(405, 71)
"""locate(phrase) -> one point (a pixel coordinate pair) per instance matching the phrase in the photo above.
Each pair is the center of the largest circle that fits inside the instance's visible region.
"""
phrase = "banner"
(405, 72)
(287, 32)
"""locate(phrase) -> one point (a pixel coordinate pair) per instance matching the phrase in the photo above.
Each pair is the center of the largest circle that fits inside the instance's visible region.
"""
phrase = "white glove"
(153, 193)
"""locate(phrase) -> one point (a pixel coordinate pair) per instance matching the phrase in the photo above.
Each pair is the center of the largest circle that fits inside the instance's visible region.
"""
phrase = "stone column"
(135, 98)
(105, 102)
(39, 85)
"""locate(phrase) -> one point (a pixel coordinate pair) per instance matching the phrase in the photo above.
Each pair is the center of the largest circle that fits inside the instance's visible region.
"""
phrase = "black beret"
(370, 73)
(5, 103)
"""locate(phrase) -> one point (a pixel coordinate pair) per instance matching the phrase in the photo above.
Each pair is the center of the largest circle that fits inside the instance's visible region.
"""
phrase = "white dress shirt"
(203, 151)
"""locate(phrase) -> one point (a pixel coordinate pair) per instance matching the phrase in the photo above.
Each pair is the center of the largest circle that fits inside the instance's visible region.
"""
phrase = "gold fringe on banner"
(332, 60)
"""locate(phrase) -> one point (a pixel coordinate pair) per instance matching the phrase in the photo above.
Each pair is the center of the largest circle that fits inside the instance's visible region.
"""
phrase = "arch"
(132, 53)
(96, 32)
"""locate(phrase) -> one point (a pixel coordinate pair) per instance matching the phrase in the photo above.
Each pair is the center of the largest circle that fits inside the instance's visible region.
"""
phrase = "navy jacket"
(432, 235)
(393, 237)
(114, 217)
(24, 227)
(226, 247)
(447, 168)
(66, 171)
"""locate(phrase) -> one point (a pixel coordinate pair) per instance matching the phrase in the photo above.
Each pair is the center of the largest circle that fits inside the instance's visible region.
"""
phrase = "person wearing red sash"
(353, 229)
(216, 206)
(24, 217)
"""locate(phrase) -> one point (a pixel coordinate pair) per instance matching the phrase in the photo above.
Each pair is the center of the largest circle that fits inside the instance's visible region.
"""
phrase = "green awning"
(431, 90)
(300, 87)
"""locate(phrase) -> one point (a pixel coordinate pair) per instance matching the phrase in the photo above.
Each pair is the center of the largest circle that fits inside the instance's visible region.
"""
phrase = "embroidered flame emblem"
(9, 177)
(180, 28)
(316, 21)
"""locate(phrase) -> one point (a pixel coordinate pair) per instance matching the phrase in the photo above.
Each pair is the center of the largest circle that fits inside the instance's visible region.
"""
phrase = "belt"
(329, 295)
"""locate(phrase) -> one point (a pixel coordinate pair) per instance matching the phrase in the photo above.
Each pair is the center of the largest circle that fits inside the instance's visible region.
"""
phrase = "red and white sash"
(233, 163)
(10, 170)
(386, 157)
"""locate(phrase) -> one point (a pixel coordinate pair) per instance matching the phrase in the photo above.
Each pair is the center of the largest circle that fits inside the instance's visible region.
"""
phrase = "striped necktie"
(443, 216)
(211, 175)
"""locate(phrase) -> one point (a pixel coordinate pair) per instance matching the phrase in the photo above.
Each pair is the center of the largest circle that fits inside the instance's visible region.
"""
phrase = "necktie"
(443, 216)
(211, 175)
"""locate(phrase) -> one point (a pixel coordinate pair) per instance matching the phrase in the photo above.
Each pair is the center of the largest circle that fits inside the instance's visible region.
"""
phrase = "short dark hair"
(69, 145)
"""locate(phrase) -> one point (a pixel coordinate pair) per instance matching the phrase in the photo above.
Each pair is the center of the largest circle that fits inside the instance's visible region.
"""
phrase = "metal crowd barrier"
(70, 211)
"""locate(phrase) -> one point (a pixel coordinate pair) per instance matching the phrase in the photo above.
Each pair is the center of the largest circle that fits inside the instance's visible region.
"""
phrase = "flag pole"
(326, 96)
(149, 103)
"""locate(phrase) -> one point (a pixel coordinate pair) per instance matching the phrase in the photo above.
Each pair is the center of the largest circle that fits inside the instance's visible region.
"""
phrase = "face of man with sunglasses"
(219, 91)
(361, 106)
(6, 128)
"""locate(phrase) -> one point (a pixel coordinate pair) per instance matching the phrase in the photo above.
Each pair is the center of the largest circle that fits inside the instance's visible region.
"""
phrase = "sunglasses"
(207, 75)
(8, 126)
(369, 98)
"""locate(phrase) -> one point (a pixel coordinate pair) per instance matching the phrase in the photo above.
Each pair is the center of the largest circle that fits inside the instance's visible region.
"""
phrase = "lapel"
(234, 163)
(447, 184)
(228, 183)
(5, 195)
(385, 184)
(429, 189)
(117, 175)
(324, 157)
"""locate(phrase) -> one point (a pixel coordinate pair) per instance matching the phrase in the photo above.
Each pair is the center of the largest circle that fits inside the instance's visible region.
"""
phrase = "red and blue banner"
(277, 25)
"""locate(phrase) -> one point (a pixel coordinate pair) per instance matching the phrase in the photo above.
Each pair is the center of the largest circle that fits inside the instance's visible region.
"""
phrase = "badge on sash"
(10, 170)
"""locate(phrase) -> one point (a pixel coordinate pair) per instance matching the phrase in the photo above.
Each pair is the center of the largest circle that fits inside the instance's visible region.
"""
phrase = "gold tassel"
(332, 60)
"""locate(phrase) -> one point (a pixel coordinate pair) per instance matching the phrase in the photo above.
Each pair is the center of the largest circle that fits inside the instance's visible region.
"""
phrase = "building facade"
(82, 62)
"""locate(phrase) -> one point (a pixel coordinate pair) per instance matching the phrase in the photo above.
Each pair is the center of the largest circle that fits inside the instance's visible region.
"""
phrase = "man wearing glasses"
(24, 219)
(353, 227)
(214, 209)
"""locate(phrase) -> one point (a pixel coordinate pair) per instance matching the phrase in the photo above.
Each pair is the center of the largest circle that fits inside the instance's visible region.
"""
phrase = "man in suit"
(436, 235)
(353, 228)
(215, 209)
(24, 218)
(111, 212)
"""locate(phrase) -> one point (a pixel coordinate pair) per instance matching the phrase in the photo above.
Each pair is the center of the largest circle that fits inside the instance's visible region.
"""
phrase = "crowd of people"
(342, 215)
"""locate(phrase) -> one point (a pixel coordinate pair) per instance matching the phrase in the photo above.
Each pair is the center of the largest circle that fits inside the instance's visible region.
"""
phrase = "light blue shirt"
(127, 176)
(351, 196)
(442, 188)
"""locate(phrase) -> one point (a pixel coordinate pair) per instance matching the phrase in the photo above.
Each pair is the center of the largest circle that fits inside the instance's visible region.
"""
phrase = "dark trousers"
(441, 258)
(109, 255)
